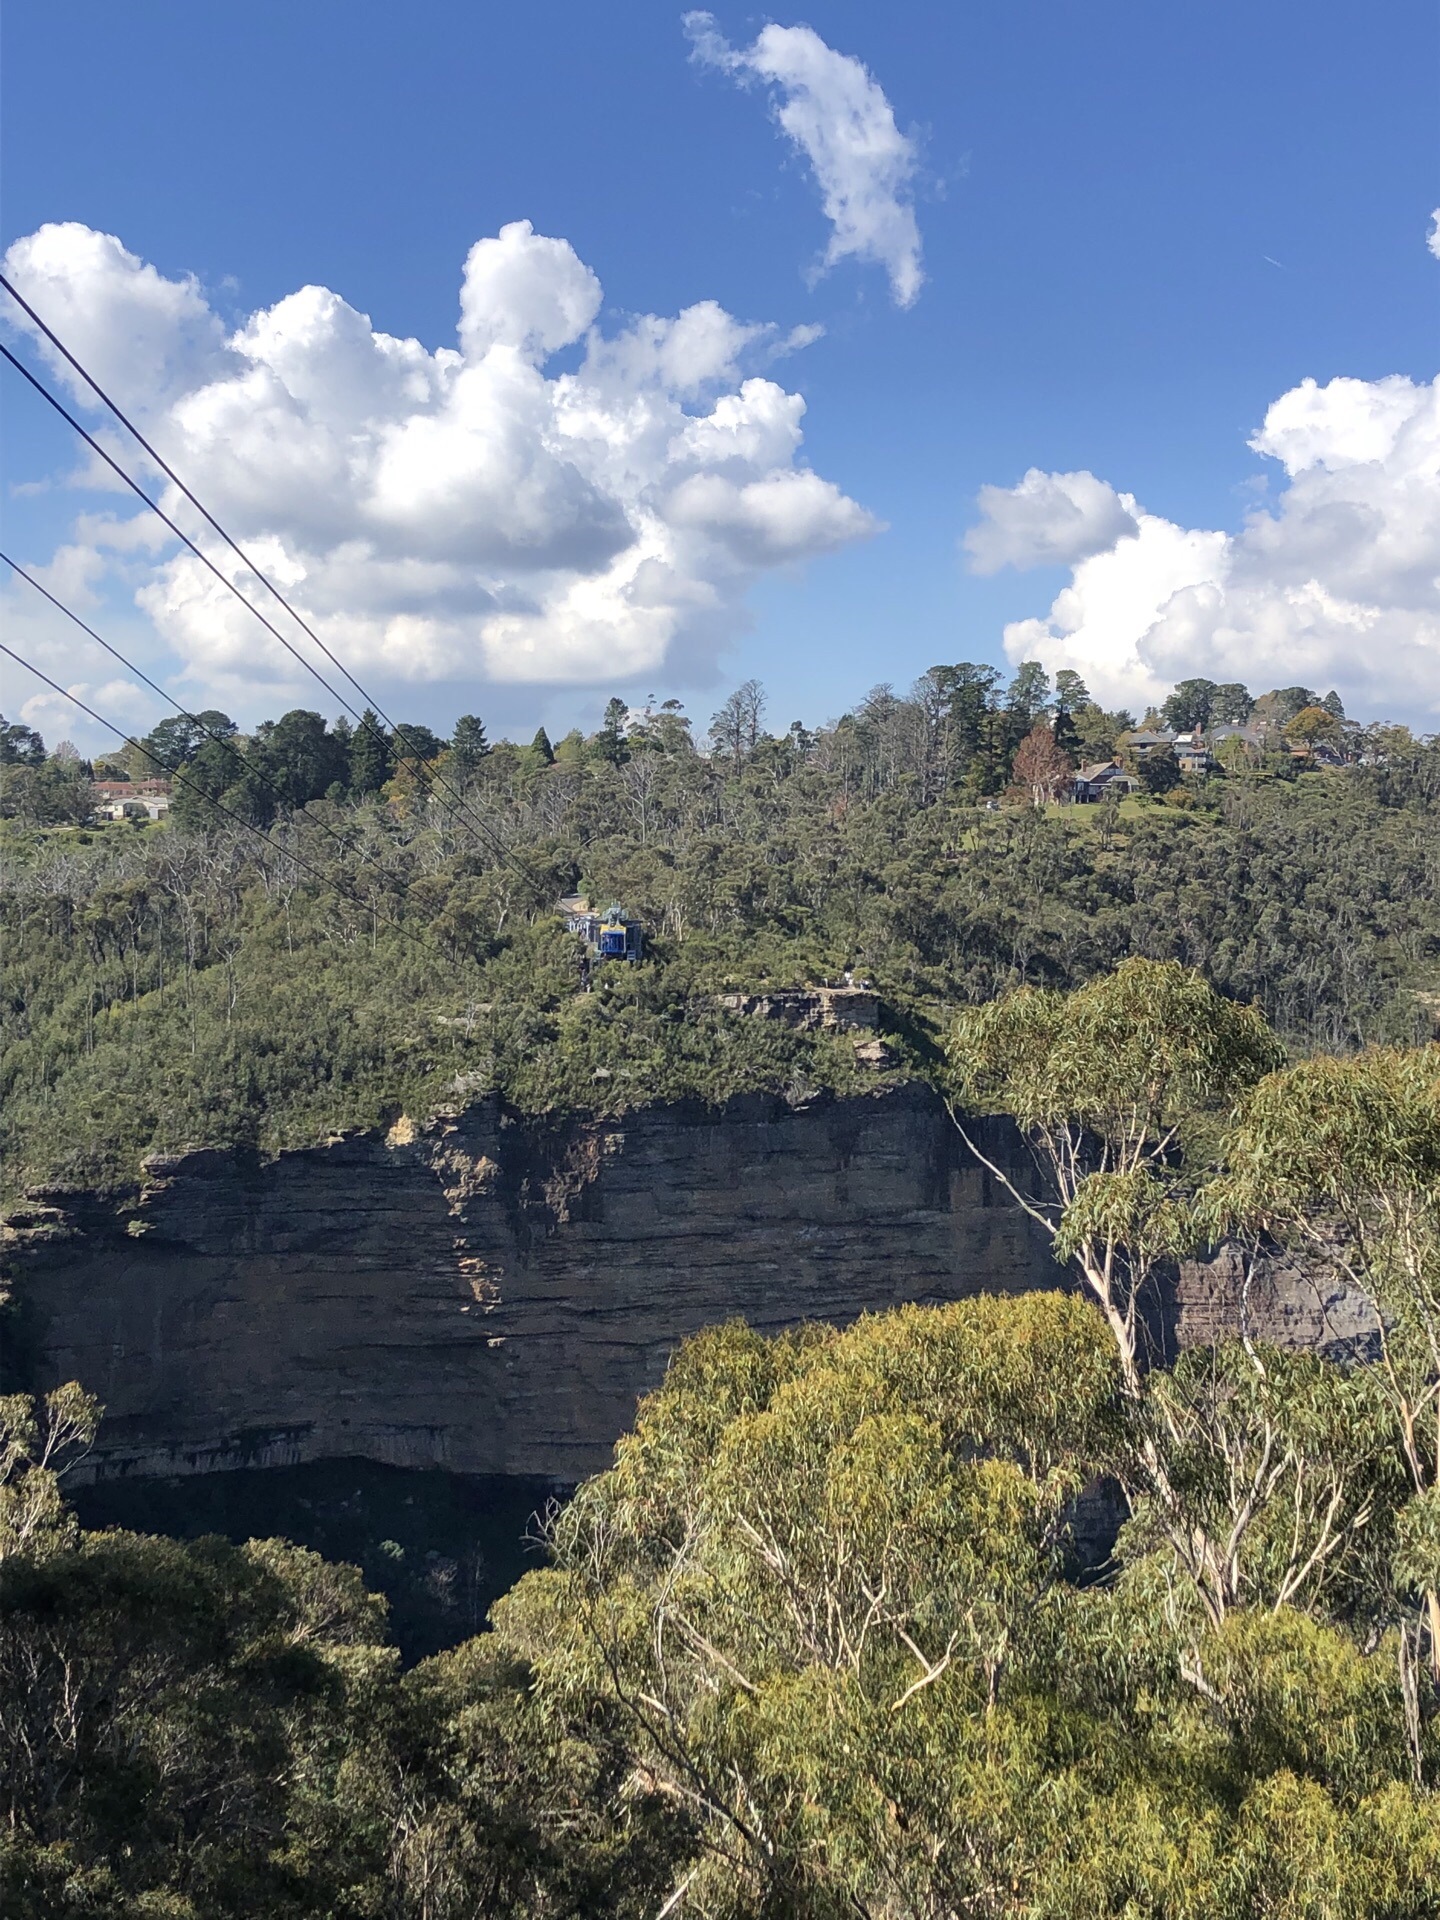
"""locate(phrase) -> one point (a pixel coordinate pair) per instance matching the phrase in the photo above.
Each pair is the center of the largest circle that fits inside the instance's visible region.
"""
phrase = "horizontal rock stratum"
(490, 1294)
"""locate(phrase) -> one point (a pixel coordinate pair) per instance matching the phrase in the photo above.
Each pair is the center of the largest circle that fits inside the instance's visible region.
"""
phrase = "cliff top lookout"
(810, 1009)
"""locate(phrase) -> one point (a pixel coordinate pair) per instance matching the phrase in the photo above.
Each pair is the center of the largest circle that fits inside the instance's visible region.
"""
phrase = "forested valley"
(821, 1643)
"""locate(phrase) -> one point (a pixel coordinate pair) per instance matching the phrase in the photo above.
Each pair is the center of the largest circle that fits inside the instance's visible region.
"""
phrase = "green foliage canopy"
(825, 1590)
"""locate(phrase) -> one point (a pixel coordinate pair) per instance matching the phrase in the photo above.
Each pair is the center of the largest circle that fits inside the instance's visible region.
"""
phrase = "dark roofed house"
(1101, 778)
(1144, 741)
(1253, 737)
(1324, 753)
(1310, 754)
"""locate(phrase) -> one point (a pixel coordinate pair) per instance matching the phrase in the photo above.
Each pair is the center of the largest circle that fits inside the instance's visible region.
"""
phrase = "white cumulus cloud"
(1335, 585)
(1049, 519)
(839, 118)
(454, 513)
(132, 328)
(1432, 239)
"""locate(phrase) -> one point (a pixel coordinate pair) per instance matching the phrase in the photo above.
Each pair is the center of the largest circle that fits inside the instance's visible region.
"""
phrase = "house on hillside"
(1318, 753)
(1192, 752)
(130, 799)
(1145, 740)
(1250, 736)
(1103, 777)
(1324, 753)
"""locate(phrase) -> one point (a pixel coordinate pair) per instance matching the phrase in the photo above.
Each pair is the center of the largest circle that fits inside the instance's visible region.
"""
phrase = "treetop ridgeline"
(959, 729)
(335, 923)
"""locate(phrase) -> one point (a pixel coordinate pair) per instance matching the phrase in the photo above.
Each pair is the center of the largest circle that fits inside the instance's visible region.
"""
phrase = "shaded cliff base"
(441, 1547)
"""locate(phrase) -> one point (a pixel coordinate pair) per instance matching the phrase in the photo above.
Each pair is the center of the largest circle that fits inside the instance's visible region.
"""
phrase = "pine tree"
(371, 761)
(1028, 694)
(995, 747)
(963, 694)
(1071, 695)
(468, 747)
(610, 740)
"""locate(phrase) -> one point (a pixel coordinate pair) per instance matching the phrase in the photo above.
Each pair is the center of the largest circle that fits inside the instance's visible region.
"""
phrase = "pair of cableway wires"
(424, 773)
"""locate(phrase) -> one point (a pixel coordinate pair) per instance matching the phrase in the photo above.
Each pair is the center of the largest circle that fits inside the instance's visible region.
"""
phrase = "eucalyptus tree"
(1104, 1084)
(20, 746)
(1255, 1494)
(41, 1440)
(823, 1596)
(1340, 1158)
(1267, 1479)
(808, 1591)
(736, 728)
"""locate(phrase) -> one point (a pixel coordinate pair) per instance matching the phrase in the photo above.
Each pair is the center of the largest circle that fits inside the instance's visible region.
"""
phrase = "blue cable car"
(612, 935)
(619, 937)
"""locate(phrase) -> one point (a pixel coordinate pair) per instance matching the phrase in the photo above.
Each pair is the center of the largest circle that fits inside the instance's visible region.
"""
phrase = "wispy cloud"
(839, 118)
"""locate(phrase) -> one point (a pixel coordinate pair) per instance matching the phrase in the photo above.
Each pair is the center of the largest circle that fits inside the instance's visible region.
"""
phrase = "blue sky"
(1141, 227)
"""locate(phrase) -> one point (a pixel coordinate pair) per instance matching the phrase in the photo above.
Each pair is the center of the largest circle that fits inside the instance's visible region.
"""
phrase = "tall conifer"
(371, 761)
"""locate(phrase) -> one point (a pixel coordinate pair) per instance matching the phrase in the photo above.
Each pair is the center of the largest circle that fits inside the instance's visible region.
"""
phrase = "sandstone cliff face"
(491, 1295)
(1280, 1298)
